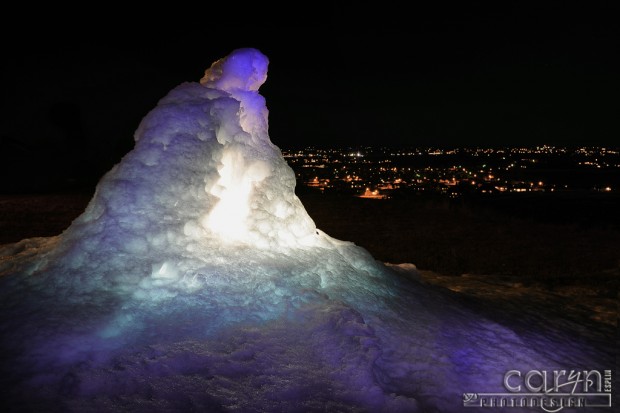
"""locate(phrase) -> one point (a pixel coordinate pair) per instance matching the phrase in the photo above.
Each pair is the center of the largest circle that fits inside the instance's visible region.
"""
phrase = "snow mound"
(196, 281)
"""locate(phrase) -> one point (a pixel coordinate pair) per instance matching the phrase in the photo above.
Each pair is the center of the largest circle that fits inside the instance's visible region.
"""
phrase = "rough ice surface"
(196, 281)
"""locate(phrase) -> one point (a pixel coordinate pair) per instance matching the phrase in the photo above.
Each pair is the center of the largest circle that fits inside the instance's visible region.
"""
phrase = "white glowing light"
(228, 217)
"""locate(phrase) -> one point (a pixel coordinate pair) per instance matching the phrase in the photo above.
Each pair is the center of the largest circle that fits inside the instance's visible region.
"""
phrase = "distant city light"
(393, 171)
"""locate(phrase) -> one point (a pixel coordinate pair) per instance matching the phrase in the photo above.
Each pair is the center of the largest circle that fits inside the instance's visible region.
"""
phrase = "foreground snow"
(196, 281)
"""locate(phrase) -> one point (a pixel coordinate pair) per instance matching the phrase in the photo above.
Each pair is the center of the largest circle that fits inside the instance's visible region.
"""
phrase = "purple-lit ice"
(196, 281)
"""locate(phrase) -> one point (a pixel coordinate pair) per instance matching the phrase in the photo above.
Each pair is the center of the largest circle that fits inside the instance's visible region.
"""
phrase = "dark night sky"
(78, 82)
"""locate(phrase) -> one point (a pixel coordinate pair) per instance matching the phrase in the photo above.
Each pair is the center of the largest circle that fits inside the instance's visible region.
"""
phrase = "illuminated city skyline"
(380, 173)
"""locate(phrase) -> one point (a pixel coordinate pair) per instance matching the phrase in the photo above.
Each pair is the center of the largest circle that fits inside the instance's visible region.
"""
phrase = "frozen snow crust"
(196, 281)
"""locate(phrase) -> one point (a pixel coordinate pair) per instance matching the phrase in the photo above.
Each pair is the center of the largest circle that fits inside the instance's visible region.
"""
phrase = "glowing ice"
(237, 180)
(196, 281)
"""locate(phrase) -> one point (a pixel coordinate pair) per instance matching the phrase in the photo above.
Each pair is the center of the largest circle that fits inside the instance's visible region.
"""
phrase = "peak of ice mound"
(243, 69)
(203, 172)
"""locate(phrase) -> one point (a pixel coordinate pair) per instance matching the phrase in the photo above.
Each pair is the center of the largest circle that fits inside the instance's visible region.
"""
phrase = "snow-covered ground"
(196, 281)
